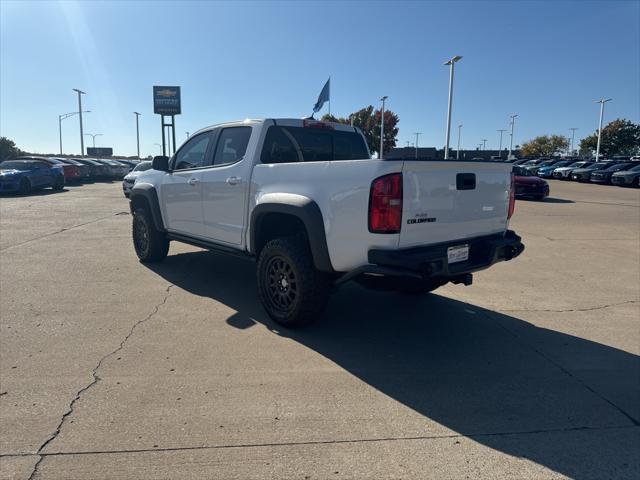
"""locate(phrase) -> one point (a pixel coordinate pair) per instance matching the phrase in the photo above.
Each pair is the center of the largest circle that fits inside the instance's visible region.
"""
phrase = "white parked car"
(305, 200)
(130, 178)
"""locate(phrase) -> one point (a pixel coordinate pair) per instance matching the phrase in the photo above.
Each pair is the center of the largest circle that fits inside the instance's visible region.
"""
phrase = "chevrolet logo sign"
(166, 93)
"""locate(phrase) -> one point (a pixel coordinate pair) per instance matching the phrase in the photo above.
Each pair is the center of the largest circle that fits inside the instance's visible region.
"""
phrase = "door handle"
(193, 181)
(233, 180)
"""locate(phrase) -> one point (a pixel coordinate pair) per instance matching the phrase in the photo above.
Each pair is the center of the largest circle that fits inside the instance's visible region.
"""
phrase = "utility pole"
(80, 93)
(137, 133)
(500, 149)
(94, 135)
(451, 64)
(513, 121)
(602, 101)
(484, 144)
(458, 150)
(383, 99)
(417, 134)
(573, 134)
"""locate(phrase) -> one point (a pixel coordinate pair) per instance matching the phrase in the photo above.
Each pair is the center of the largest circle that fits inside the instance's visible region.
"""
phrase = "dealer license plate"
(459, 253)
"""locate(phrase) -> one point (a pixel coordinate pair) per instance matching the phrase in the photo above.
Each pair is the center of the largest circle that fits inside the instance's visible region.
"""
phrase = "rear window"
(297, 144)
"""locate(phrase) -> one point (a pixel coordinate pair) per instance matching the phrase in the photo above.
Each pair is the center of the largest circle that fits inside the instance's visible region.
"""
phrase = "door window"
(232, 145)
(192, 154)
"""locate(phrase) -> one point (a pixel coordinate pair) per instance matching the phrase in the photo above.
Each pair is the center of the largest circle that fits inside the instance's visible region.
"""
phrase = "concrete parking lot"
(113, 369)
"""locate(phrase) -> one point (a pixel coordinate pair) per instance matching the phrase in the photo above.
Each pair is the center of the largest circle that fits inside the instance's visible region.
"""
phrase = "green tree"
(8, 149)
(620, 137)
(544, 146)
(368, 120)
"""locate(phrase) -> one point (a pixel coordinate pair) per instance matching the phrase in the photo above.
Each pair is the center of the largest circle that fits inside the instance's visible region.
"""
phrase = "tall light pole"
(80, 93)
(160, 146)
(513, 121)
(500, 149)
(137, 133)
(451, 64)
(602, 101)
(64, 116)
(458, 150)
(383, 99)
(187, 134)
(94, 135)
(417, 134)
(573, 134)
(484, 144)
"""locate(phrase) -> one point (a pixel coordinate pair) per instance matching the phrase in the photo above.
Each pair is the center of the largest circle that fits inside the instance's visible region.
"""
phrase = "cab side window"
(232, 145)
(193, 153)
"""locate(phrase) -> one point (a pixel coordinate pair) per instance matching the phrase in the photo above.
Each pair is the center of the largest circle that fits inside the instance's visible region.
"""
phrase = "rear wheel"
(58, 183)
(151, 245)
(25, 186)
(292, 291)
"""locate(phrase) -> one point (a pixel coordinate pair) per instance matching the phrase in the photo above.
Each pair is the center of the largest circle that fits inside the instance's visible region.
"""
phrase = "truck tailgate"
(449, 200)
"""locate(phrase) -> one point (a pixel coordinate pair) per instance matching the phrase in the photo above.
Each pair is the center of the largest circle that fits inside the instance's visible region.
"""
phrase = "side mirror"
(160, 163)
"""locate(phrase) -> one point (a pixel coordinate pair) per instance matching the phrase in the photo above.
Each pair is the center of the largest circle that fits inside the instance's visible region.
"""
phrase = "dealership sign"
(166, 100)
(99, 151)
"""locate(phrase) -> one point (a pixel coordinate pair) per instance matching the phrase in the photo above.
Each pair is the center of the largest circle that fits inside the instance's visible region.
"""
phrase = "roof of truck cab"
(290, 122)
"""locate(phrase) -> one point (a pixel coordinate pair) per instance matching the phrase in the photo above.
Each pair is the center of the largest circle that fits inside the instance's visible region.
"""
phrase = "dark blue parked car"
(23, 176)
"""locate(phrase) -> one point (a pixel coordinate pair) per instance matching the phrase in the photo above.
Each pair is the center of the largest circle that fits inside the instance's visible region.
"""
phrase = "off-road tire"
(150, 244)
(292, 291)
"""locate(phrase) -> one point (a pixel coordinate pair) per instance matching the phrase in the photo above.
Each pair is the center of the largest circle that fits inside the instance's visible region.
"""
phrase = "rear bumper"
(431, 262)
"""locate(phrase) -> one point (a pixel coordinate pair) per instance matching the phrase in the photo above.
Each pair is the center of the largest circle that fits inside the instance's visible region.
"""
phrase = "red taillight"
(385, 204)
(512, 196)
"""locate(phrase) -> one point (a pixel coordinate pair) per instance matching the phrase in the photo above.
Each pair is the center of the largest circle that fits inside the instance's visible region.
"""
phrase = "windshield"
(16, 165)
(521, 171)
(622, 166)
(141, 167)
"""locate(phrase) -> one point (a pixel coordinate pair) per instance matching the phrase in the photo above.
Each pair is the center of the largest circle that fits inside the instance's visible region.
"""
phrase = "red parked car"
(528, 185)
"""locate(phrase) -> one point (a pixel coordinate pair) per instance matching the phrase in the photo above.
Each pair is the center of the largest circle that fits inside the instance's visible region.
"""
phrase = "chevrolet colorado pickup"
(305, 199)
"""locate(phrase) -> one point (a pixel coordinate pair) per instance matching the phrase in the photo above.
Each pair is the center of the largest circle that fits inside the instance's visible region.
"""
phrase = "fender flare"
(148, 193)
(308, 212)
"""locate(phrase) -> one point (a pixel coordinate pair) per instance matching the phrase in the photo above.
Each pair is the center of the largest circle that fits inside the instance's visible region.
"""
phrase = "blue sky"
(547, 61)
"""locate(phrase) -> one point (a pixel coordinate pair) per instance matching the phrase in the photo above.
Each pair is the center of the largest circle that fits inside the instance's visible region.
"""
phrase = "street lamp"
(484, 144)
(64, 116)
(80, 93)
(458, 150)
(159, 146)
(137, 132)
(94, 135)
(451, 63)
(573, 134)
(417, 134)
(383, 99)
(602, 101)
(513, 121)
(500, 149)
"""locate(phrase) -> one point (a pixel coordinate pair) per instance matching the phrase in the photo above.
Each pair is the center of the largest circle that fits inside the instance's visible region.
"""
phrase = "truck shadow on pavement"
(563, 402)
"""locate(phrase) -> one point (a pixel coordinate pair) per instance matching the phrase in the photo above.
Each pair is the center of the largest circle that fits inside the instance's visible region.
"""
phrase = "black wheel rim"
(281, 286)
(140, 236)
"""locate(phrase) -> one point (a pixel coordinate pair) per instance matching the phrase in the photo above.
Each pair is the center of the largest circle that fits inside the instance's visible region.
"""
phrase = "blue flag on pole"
(323, 97)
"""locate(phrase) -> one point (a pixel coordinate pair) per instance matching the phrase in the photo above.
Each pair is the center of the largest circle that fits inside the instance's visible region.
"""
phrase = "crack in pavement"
(326, 442)
(95, 379)
(488, 314)
(590, 309)
(50, 234)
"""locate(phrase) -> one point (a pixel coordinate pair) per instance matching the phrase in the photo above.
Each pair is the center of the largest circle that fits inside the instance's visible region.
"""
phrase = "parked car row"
(624, 172)
(28, 173)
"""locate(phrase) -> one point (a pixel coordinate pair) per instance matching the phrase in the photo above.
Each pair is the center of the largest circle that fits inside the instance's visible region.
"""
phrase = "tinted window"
(14, 165)
(192, 154)
(141, 167)
(232, 145)
(294, 144)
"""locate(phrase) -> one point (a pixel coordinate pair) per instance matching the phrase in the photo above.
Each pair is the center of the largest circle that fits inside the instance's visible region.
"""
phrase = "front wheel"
(291, 290)
(58, 184)
(151, 245)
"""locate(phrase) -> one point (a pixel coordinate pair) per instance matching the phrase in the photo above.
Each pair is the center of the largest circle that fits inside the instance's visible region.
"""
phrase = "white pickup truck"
(307, 201)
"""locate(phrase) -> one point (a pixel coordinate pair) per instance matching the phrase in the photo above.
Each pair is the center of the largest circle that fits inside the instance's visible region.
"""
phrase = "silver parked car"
(130, 178)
